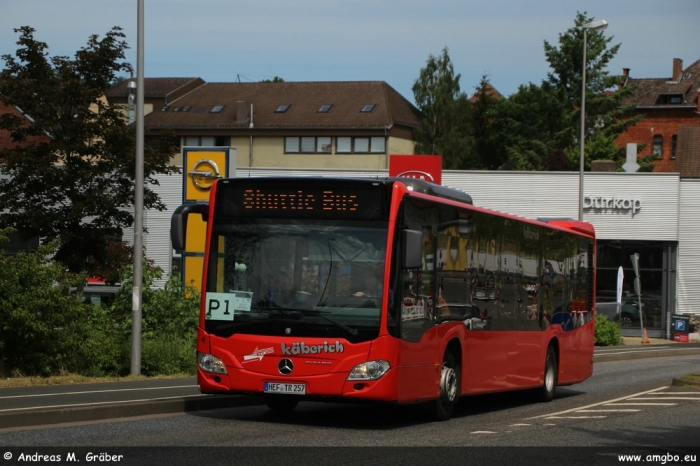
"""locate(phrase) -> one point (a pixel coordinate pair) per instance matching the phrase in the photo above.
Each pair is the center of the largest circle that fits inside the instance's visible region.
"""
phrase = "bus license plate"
(288, 388)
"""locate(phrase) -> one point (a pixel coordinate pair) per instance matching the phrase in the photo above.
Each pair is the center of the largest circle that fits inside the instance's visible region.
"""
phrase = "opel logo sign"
(204, 173)
(417, 174)
(286, 366)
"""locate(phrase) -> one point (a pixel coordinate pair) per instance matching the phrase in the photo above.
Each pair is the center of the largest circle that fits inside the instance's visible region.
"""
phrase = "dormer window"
(367, 108)
(282, 108)
(670, 99)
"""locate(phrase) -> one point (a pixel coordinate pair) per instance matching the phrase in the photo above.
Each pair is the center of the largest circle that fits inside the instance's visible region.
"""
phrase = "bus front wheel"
(546, 392)
(449, 389)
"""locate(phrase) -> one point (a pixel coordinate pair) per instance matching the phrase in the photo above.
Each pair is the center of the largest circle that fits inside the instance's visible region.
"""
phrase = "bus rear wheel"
(546, 392)
(281, 403)
(449, 389)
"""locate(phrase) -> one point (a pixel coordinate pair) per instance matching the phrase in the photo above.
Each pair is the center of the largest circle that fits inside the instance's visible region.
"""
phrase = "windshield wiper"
(309, 312)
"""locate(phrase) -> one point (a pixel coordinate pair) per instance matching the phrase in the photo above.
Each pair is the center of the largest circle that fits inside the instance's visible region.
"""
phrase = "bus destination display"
(326, 201)
(257, 199)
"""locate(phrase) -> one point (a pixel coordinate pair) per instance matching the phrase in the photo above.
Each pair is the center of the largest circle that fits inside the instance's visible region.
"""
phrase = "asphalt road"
(45, 405)
(626, 407)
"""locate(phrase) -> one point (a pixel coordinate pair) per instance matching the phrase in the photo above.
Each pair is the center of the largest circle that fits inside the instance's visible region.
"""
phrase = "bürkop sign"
(612, 203)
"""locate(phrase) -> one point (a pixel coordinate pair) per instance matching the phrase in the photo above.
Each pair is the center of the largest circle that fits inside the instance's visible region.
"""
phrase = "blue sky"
(387, 40)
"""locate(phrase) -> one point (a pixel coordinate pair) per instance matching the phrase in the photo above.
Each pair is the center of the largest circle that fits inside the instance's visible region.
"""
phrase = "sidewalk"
(634, 341)
(637, 341)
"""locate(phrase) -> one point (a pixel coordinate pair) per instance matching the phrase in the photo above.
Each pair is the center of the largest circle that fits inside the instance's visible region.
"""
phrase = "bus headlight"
(370, 370)
(209, 363)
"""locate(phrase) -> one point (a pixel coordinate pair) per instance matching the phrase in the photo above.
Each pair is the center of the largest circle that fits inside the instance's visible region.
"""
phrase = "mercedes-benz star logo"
(286, 366)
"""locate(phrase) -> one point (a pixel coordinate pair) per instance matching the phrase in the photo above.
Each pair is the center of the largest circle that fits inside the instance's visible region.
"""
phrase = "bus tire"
(551, 371)
(282, 403)
(449, 389)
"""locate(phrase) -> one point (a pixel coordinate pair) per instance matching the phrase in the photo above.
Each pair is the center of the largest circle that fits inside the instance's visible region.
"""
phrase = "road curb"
(40, 417)
(627, 353)
(685, 383)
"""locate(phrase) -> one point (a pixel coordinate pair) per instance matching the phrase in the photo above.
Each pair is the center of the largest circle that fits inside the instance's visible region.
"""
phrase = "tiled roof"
(650, 90)
(193, 110)
(165, 88)
(490, 91)
(688, 151)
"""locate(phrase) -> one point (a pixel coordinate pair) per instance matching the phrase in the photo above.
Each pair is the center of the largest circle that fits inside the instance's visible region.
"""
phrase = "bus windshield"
(302, 277)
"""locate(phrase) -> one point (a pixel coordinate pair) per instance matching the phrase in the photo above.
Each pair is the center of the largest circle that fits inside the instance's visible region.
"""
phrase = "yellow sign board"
(202, 166)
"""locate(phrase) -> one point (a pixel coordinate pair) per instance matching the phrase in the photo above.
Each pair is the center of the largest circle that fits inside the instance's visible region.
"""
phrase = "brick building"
(668, 106)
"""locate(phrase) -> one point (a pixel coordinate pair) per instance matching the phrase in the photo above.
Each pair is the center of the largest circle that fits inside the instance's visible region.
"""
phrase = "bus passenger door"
(419, 348)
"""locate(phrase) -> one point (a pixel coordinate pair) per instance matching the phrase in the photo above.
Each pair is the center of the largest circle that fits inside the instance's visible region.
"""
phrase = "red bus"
(391, 289)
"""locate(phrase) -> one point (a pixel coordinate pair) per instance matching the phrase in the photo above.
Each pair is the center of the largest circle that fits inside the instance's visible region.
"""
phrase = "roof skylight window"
(367, 108)
(282, 108)
(217, 109)
(325, 108)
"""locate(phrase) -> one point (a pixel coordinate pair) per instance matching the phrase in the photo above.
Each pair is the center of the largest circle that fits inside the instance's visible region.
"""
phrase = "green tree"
(70, 175)
(169, 325)
(484, 153)
(276, 79)
(445, 126)
(43, 327)
(606, 116)
(528, 130)
(538, 127)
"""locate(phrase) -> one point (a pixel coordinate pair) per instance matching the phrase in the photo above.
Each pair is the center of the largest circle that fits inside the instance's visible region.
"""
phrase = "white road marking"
(608, 410)
(93, 404)
(596, 404)
(514, 425)
(671, 398)
(483, 432)
(662, 394)
(642, 404)
(98, 391)
(577, 417)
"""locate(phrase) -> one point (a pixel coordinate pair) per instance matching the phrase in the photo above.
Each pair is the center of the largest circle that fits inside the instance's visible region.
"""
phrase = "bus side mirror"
(178, 222)
(413, 249)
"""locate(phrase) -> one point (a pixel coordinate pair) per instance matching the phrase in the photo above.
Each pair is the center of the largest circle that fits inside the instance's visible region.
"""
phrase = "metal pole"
(138, 206)
(583, 125)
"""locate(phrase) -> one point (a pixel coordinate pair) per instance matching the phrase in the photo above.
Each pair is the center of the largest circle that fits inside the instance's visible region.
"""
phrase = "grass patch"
(692, 378)
(73, 379)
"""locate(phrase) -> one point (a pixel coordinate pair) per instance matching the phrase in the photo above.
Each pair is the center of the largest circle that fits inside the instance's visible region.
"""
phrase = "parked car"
(629, 311)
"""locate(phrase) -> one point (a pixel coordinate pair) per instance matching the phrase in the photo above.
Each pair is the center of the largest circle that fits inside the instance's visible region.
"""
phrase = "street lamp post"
(593, 26)
(136, 303)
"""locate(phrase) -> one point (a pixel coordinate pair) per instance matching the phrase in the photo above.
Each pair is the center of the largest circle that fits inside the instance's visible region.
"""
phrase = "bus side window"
(418, 287)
